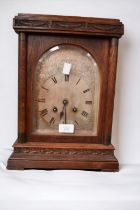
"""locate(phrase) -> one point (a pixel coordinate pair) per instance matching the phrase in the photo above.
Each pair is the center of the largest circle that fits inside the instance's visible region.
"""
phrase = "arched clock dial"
(62, 97)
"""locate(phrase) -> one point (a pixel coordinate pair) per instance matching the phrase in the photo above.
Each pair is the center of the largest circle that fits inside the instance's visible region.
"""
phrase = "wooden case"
(38, 33)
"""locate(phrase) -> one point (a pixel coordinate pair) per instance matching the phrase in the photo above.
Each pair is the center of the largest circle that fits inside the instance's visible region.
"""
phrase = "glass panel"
(66, 90)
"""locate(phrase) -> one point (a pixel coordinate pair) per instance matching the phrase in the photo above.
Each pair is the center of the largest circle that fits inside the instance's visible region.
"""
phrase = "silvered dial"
(61, 98)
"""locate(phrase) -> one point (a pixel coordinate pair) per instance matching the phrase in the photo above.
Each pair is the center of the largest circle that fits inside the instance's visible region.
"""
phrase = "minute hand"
(65, 102)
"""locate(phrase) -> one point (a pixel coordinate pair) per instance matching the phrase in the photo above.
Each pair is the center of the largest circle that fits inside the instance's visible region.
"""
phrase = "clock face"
(66, 92)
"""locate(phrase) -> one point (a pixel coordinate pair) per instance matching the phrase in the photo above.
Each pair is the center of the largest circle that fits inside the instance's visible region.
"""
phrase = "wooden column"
(111, 89)
(22, 88)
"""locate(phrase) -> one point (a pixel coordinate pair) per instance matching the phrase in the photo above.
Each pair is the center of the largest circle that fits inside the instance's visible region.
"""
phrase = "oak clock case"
(67, 70)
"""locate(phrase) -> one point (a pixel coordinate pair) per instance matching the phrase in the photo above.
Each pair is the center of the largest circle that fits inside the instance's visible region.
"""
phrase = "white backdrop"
(126, 125)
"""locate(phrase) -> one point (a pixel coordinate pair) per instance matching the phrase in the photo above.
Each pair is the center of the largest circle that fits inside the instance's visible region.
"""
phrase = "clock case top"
(68, 25)
(101, 36)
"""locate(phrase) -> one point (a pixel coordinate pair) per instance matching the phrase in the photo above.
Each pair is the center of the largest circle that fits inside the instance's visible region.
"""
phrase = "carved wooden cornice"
(71, 25)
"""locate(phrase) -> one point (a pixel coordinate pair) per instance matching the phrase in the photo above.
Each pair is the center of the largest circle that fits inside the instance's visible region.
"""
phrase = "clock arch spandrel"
(81, 89)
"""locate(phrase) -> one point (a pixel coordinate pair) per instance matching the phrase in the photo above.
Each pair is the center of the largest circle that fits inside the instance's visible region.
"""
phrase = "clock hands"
(63, 112)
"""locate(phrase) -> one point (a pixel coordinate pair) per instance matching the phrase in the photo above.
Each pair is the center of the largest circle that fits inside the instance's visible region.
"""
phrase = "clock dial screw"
(55, 109)
(74, 109)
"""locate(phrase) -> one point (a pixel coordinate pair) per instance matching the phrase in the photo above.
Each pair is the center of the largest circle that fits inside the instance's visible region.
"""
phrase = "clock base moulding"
(63, 156)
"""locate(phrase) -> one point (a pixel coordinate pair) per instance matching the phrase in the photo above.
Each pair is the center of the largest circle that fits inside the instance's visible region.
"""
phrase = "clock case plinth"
(63, 156)
(94, 154)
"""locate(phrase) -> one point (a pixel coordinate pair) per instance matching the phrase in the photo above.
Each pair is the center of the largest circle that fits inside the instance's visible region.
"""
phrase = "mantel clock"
(66, 81)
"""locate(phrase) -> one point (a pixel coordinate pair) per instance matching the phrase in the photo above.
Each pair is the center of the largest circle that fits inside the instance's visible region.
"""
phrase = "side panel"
(22, 70)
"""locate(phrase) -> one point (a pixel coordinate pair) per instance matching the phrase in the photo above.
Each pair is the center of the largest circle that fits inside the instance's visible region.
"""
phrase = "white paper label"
(66, 68)
(66, 128)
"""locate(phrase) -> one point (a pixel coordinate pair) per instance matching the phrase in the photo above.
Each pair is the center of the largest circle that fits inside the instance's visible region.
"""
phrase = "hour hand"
(62, 112)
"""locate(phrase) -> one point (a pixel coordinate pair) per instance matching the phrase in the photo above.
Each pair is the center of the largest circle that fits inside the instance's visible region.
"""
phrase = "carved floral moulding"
(56, 24)
(67, 154)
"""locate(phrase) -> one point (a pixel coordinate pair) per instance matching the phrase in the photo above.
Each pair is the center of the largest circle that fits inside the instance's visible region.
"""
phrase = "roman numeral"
(84, 113)
(44, 88)
(88, 102)
(52, 120)
(43, 112)
(66, 78)
(86, 90)
(54, 79)
(76, 122)
(41, 100)
(78, 81)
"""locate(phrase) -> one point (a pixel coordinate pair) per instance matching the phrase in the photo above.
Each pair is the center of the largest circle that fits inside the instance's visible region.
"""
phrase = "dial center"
(65, 101)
